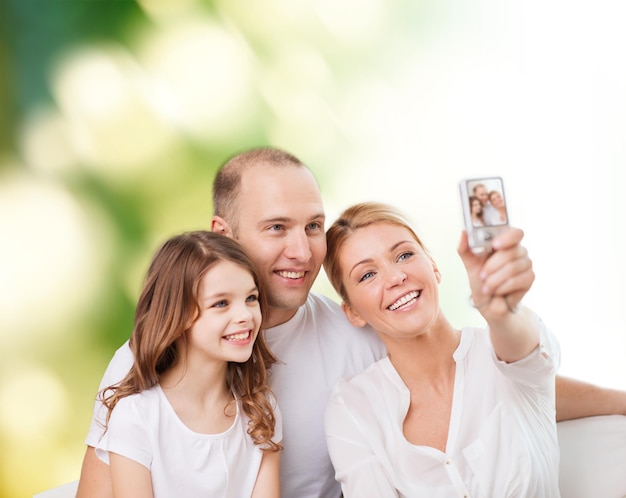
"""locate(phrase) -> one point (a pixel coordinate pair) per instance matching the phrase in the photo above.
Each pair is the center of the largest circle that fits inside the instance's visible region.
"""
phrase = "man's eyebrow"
(319, 216)
(274, 219)
(287, 219)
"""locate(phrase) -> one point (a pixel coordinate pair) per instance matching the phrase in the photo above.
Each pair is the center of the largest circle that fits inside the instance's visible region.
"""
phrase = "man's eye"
(276, 227)
(314, 226)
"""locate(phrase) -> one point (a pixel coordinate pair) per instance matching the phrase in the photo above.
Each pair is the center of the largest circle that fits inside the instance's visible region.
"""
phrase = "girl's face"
(476, 206)
(390, 281)
(230, 315)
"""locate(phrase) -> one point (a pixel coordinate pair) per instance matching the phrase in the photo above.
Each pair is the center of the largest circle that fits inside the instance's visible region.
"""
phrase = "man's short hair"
(477, 186)
(227, 183)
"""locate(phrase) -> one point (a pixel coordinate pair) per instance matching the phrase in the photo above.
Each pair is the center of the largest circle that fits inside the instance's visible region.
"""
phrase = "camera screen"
(487, 205)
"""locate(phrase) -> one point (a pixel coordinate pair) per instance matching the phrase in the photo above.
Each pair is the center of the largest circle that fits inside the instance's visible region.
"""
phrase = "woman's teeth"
(404, 300)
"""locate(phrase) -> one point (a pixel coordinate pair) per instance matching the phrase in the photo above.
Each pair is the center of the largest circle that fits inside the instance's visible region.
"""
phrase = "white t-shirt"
(317, 347)
(502, 439)
(145, 428)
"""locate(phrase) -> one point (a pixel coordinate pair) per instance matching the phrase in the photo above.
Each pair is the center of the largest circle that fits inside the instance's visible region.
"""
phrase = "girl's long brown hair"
(169, 305)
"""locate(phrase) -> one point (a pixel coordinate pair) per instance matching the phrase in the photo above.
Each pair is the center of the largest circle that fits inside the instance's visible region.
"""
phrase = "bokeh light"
(117, 114)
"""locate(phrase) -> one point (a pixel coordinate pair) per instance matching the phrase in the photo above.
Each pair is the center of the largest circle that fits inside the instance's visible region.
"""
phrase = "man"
(270, 202)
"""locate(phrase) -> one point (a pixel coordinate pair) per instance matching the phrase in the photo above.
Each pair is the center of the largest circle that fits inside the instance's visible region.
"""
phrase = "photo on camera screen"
(484, 210)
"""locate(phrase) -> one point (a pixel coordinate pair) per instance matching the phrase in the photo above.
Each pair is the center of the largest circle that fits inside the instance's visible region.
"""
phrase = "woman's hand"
(498, 280)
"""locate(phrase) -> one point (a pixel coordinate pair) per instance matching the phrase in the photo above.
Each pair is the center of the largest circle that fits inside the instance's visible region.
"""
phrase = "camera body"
(484, 210)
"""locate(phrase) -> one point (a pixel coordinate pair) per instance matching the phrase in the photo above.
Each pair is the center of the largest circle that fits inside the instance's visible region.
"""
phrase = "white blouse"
(145, 428)
(502, 439)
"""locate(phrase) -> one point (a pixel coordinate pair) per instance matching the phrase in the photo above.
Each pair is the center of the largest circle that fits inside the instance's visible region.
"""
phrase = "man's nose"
(298, 246)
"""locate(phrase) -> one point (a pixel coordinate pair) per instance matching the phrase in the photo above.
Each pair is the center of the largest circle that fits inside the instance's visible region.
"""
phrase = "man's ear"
(353, 317)
(221, 226)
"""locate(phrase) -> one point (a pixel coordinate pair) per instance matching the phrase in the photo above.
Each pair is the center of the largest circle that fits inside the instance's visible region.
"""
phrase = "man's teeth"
(404, 300)
(237, 337)
(291, 274)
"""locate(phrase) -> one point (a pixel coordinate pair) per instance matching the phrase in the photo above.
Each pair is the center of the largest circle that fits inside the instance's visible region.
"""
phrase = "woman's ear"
(436, 270)
(438, 275)
(353, 316)
(221, 226)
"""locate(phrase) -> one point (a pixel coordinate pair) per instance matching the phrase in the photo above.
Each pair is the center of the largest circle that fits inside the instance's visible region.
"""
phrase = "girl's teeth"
(237, 337)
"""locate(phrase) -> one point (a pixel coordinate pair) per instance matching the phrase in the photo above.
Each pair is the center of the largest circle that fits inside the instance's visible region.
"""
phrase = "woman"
(497, 201)
(195, 416)
(449, 412)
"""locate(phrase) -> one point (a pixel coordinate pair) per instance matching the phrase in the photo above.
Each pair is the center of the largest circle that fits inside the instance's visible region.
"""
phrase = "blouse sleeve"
(540, 366)
(127, 434)
(356, 467)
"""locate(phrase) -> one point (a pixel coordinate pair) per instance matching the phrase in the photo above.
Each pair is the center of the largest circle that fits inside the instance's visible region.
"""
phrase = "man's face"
(481, 193)
(281, 226)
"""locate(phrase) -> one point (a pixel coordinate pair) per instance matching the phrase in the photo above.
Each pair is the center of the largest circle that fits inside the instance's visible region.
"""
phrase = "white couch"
(593, 460)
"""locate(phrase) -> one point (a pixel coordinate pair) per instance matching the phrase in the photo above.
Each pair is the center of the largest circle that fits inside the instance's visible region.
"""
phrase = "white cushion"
(593, 457)
(64, 491)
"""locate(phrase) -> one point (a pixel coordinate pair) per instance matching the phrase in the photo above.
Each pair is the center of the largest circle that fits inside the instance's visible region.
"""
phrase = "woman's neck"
(428, 355)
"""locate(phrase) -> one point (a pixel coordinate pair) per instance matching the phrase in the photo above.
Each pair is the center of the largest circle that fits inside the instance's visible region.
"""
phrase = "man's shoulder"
(119, 366)
(320, 301)
(324, 308)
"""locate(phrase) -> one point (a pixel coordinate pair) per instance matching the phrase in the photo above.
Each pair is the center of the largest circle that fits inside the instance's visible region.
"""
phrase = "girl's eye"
(220, 304)
(405, 255)
(252, 298)
(366, 276)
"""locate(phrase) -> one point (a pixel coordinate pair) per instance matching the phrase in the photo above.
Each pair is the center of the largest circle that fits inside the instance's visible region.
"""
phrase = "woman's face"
(496, 200)
(390, 281)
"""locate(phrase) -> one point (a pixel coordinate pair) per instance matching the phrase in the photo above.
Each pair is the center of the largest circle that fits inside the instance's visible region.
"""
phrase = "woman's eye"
(366, 276)
(405, 255)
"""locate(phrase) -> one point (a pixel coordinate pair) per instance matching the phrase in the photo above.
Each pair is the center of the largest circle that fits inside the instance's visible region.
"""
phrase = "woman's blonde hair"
(355, 217)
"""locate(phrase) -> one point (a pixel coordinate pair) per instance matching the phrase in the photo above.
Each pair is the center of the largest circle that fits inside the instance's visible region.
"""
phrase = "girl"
(448, 413)
(195, 416)
(476, 211)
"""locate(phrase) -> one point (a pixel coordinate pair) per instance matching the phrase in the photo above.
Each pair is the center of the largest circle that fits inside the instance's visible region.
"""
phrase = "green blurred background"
(114, 116)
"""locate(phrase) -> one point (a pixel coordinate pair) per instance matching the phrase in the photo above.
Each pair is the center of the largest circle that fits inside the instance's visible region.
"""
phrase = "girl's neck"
(198, 379)
(200, 397)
